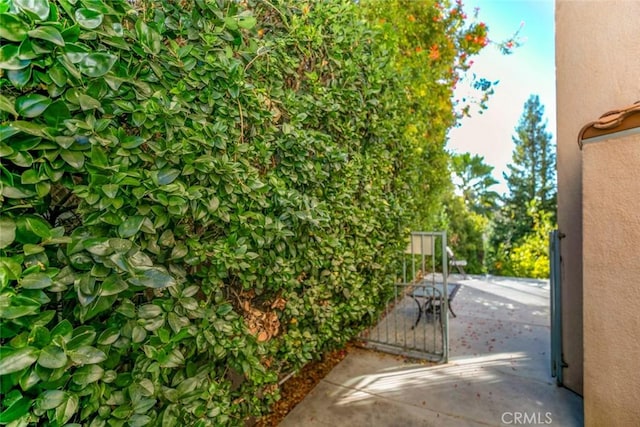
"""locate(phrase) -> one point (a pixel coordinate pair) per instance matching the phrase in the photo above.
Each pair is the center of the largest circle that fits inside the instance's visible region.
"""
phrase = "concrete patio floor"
(498, 372)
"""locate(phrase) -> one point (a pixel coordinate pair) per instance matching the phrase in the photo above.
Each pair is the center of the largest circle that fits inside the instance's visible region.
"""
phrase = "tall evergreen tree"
(531, 176)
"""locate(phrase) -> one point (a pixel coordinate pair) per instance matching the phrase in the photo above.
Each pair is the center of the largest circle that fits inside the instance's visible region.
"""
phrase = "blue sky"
(529, 70)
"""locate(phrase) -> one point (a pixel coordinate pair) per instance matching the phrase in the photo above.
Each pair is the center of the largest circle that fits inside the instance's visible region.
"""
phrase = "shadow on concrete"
(498, 371)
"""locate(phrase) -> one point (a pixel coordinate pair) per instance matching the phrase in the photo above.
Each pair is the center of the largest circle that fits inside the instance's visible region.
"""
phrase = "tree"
(473, 181)
(465, 232)
(532, 173)
(467, 211)
(532, 193)
(430, 46)
(531, 257)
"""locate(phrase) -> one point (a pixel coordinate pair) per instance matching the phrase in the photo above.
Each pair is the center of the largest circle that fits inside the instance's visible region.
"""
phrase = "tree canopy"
(519, 230)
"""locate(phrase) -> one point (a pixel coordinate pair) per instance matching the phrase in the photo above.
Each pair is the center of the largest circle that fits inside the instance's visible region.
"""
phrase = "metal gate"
(557, 363)
(416, 322)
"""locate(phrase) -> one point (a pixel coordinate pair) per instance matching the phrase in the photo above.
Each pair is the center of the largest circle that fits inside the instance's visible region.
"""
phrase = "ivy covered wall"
(198, 196)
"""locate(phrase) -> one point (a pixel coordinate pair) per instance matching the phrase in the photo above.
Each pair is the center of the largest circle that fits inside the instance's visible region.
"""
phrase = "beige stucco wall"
(598, 69)
(611, 249)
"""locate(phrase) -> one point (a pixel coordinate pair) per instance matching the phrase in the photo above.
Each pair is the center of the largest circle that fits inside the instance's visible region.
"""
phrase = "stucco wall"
(611, 248)
(598, 69)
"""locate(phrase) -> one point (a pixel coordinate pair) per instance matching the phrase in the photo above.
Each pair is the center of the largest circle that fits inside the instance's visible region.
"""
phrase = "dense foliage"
(432, 48)
(469, 209)
(198, 196)
(520, 230)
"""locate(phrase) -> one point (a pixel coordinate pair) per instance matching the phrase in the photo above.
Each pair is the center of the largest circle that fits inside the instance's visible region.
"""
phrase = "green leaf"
(113, 285)
(98, 157)
(9, 59)
(9, 107)
(71, 34)
(50, 399)
(149, 311)
(43, 318)
(31, 229)
(154, 277)
(16, 411)
(56, 114)
(82, 336)
(88, 103)
(88, 18)
(52, 357)
(141, 420)
(110, 190)
(17, 311)
(149, 37)
(132, 142)
(86, 355)
(49, 34)
(38, 7)
(74, 158)
(67, 409)
(120, 245)
(130, 226)
(16, 360)
(87, 374)
(138, 118)
(7, 232)
(31, 249)
(97, 64)
(63, 329)
(19, 78)
(26, 143)
(36, 225)
(12, 28)
(109, 336)
(32, 105)
(58, 75)
(16, 193)
(12, 267)
(247, 22)
(29, 128)
(29, 226)
(36, 281)
(167, 176)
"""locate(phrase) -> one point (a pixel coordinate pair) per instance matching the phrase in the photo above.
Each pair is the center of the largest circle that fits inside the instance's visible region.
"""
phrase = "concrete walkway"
(498, 373)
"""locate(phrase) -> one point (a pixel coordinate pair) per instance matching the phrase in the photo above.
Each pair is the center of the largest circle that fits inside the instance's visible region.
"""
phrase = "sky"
(529, 70)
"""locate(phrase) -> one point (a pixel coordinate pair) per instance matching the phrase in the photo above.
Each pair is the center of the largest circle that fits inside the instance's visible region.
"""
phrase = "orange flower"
(411, 18)
(418, 49)
(481, 40)
(434, 53)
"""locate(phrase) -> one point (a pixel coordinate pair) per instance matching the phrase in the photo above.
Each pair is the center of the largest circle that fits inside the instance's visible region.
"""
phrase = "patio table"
(433, 294)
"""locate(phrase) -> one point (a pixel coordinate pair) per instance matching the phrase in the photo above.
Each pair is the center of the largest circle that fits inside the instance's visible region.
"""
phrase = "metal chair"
(458, 264)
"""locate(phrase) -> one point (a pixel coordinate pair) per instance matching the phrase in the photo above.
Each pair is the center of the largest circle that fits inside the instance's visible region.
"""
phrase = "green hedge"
(197, 196)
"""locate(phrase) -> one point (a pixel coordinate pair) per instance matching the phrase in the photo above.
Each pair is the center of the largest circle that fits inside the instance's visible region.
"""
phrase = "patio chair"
(458, 264)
